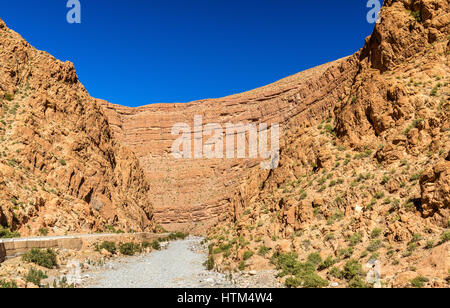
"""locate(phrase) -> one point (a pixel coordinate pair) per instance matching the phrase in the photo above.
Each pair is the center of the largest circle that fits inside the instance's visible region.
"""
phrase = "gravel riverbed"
(179, 265)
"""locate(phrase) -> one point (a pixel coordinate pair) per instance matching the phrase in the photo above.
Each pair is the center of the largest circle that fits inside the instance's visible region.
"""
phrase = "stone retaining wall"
(10, 248)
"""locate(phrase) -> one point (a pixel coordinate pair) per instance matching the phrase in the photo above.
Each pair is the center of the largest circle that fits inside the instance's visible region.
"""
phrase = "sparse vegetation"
(355, 239)
(178, 236)
(315, 258)
(42, 257)
(417, 15)
(263, 250)
(327, 263)
(35, 276)
(419, 282)
(210, 263)
(429, 244)
(352, 269)
(7, 284)
(375, 233)
(445, 237)
(7, 233)
(248, 254)
(434, 91)
(9, 96)
(156, 245)
(43, 231)
(129, 249)
(374, 245)
(337, 216)
(108, 246)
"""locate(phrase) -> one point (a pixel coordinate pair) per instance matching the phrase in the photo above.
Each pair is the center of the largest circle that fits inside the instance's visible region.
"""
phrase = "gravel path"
(180, 265)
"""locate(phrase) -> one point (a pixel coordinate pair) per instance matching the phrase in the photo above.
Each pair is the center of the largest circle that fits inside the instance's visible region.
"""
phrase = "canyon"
(192, 193)
(364, 164)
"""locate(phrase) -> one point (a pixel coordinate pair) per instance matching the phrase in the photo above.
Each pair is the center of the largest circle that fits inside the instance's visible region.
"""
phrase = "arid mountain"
(61, 171)
(364, 173)
(367, 179)
(192, 193)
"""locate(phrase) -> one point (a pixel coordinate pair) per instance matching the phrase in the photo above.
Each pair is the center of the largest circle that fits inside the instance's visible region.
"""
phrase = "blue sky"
(138, 52)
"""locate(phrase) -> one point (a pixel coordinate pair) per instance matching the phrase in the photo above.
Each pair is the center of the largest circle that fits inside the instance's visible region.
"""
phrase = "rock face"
(435, 189)
(60, 168)
(367, 178)
(190, 192)
(368, 106)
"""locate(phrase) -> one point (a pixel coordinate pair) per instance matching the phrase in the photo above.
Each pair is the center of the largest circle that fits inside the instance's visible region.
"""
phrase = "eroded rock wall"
(190, 192)
(61, 170)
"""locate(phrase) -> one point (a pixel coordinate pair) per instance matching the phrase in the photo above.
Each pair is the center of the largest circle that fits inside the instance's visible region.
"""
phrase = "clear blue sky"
(138, 52)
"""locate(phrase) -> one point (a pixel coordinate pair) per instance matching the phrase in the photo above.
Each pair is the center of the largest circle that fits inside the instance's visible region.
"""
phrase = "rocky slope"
(364, 173)
(367, 180)
(61, 171)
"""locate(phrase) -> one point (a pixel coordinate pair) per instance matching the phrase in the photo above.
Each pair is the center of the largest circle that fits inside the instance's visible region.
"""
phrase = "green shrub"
(62, 162)
(358, 283)
(312, 280)
(129, 249)
(35, 276)
(335, 217)
(210, 263)
(146, 244)
(45, 258)
(156, 245)
(416, 238)
(304, 273)
(375, 233)
(8, 285)
(417, 15)
(177, 235)
(43, 231)
(111, 229)
(336, 273)
(286, 262)
(263, 250)
(352, 269)
(108, 246)
(63, 284)
(248, 254)
(374, 245)
(327, 263)
(379, 195)
(9, 96)
(445, 237)
(6, 233)
(434, 91)
(429, 245)
(419, 282)
(315, 258)
(414, 177)
(225, 246)
(364, 254)
(346, 252)
(242, 265)
(355, 239)
(216, 250)
(293, 282)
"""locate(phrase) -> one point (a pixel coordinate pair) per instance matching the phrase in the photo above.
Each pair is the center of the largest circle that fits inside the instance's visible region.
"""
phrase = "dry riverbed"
(180, 264)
